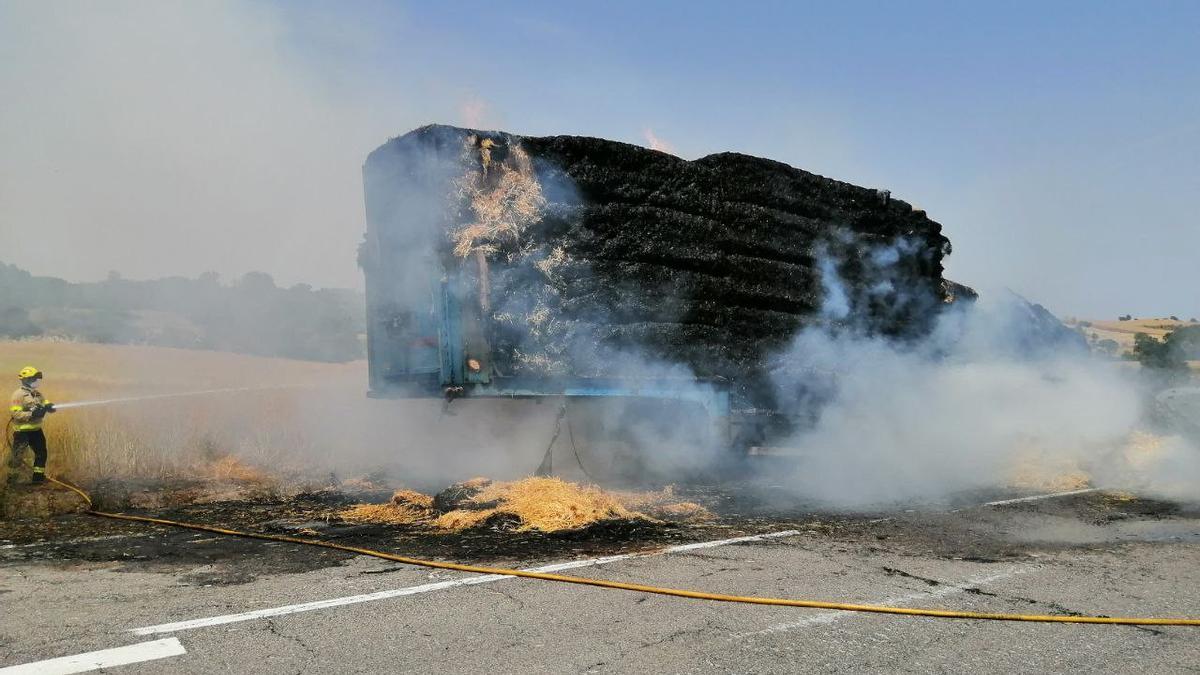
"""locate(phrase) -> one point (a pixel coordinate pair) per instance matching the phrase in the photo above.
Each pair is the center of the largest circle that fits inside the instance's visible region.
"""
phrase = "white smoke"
(654, 142)
(969, 408)
(906, 425)
(129, 127)
(837, 303)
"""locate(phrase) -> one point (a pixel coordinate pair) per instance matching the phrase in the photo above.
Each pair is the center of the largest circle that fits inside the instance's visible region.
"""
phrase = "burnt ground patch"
(983, 534)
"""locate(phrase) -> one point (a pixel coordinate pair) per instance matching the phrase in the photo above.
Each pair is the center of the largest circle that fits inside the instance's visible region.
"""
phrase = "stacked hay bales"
(593, 257)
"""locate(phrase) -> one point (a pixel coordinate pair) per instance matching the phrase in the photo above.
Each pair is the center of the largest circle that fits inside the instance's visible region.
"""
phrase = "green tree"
(1171, 353)
(251, 315)
(15, 323)
(1186, 341)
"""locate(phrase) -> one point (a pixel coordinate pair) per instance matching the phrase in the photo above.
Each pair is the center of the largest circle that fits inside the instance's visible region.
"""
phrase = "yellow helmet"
(28, 372)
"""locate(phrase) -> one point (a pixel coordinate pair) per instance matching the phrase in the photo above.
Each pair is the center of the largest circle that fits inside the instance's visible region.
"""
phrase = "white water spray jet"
(155, 397)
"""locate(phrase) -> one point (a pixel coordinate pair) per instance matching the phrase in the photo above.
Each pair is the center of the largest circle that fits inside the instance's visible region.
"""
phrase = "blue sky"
(1058, 143)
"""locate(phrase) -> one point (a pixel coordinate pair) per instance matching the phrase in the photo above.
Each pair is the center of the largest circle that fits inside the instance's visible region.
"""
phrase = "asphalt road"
(1049, 557)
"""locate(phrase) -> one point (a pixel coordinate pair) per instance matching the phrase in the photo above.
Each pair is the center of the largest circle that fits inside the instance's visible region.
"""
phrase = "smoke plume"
(972, 406)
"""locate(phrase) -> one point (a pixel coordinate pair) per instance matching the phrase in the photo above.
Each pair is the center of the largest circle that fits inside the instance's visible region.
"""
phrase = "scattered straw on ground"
(1035, 469)
(663, 505)
(362, 484)
(407, 507)
(541, 504)
(545, 504)
(1143, 449)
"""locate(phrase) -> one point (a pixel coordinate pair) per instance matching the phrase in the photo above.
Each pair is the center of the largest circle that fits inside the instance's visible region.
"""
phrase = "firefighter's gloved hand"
(38, 412)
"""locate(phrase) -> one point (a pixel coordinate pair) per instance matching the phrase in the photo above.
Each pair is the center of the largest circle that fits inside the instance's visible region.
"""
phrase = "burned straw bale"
(461, 496)
(532, 504)
(583, 248)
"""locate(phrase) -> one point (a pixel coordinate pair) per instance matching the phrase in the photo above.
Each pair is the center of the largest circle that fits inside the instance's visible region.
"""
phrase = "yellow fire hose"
(640, 588)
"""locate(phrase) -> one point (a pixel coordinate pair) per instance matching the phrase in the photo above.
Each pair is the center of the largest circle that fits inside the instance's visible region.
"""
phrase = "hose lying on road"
(641, 588)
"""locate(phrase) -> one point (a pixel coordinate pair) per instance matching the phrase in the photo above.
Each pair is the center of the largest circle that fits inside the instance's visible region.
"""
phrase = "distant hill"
(1123, 332)
(250, 315)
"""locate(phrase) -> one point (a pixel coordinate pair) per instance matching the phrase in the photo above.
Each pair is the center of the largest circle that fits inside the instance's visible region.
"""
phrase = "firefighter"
(28, 409)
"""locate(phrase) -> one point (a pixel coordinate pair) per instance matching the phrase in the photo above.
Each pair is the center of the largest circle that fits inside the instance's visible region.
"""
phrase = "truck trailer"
(625, 279)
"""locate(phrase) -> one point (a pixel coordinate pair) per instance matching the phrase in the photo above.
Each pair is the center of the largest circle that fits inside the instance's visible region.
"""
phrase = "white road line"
(105, 658)
(941, 592)
(1035, 498)
(438, 586)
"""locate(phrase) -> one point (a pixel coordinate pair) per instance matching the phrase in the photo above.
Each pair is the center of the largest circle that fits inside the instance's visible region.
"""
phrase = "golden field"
(220, 435)
(1123, 332)
(295, 426)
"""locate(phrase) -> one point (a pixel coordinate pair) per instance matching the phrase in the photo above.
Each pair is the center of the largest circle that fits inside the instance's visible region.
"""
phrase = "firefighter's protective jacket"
(24, 401)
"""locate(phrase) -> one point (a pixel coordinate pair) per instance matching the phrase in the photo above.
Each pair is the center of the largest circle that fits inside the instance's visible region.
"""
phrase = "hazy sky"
(1058, 143)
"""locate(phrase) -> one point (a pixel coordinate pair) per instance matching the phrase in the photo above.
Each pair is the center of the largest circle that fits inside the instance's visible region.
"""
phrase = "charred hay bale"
(592, 246)
(955, 292)
(783, 288)
(461, 496)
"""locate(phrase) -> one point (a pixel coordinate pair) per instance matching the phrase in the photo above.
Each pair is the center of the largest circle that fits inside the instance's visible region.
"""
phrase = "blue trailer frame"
(451, 377)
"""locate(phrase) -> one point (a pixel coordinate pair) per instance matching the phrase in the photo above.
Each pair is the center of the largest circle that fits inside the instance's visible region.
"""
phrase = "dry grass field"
(222, 435)
(1123, 332)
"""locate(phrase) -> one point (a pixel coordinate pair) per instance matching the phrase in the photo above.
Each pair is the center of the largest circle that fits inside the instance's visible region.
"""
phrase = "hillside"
(250, 315)
(77, 371)
(1124, 332)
